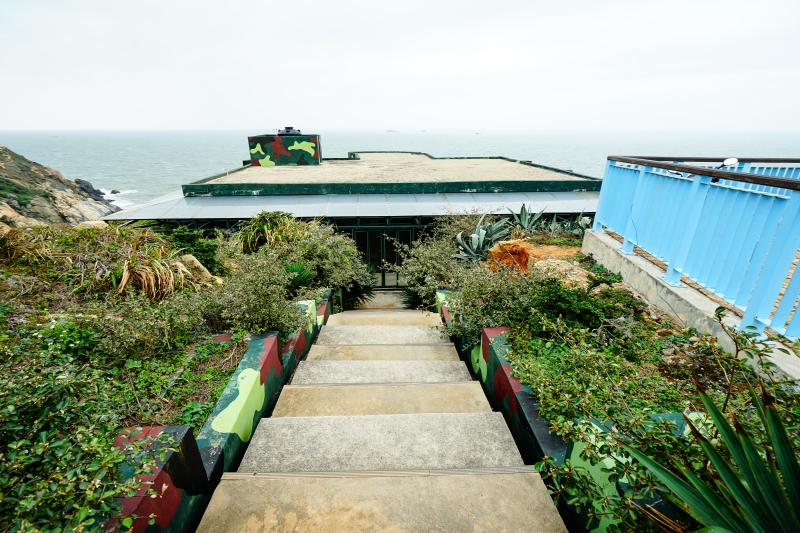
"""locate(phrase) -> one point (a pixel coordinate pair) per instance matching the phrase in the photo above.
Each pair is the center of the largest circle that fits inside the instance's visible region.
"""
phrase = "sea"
(143, 165)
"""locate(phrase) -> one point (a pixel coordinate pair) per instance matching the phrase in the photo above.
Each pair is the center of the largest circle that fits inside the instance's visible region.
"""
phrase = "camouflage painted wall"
(272, 150)
(489, 364)
(192, 471)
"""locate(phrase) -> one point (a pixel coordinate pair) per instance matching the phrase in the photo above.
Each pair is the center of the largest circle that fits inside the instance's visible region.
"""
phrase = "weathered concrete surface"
(397, 168)
(383, 353)
(380, 442)
(381, 335)
(500, 503)
(385, 300)
(353, 400)
(311, 372)
(394, 317)
(687, 306)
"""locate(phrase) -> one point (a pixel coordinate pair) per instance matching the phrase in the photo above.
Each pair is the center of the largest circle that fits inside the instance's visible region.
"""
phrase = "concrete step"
(489, 503)
(386, 352)
(350, 400)
(380, 442)
(348, 335)
(313, 372)
(376, 317)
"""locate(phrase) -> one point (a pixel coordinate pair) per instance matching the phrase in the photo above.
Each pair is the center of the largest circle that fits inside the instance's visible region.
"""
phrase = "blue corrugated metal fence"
(738, 239)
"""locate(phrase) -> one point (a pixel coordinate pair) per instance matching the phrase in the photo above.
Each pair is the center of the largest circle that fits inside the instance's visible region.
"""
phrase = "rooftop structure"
(394, 173)
(371, 195)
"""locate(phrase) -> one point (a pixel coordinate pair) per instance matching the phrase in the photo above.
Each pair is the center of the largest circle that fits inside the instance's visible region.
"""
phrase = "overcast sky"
(475, 65)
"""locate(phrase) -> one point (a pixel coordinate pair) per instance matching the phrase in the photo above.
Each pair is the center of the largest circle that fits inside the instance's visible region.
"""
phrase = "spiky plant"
(269, 228)
(486, 235)
(526, 219)
(302, 276)
(758, 491)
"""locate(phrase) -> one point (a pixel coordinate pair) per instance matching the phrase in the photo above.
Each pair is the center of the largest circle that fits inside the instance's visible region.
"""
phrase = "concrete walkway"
(382, 429)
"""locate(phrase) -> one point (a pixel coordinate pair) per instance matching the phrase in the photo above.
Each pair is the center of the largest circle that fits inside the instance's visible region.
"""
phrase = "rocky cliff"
(31, 193)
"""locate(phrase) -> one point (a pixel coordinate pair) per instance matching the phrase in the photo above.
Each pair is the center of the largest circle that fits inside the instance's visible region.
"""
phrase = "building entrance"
(379, 247)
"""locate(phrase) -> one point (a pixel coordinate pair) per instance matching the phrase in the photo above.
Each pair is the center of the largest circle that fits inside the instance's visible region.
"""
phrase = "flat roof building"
(371, 195)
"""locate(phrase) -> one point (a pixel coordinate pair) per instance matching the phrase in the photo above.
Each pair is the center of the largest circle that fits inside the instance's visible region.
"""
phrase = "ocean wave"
(107, 192)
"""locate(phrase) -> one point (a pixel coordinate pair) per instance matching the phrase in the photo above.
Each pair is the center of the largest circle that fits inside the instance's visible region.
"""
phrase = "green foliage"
(59, 468)
(526, 220)
(253, 298)
(301, 275)
(491, 298)
(268, 228)
(626, 505)
(24, 194)
(486, 235)
(758, 487)
(428, 266)
(195, 413)
(575, 376)
(103, 334)
(95, 261)
(600, 275)
(192, 242)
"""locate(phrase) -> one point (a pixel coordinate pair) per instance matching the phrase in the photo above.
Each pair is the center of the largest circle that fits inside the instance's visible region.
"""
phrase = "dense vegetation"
(606, 369)
(108, 327)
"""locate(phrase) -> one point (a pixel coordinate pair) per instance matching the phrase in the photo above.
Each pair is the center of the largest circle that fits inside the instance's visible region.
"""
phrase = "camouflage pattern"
(273, 150)
(488, 362)
(185, 479)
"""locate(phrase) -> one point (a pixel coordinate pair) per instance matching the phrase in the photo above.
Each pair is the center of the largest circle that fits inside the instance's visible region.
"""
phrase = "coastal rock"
(92, 224)
(114, 191)
(35, 194)
(197, 269)
(11, 217)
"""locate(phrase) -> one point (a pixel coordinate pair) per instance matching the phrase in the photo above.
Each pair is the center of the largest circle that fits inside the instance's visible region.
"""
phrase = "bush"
(502, 297)
(98, 330)
(205, 250)
(59, 468)
(253, 298)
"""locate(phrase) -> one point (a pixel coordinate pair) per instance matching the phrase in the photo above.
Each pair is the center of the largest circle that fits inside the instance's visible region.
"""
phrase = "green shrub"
(501, 297)
(253, 298)
(59, 468)
(192, 242)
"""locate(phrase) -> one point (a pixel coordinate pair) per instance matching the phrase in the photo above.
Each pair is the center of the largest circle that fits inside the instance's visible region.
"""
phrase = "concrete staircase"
(382, 429)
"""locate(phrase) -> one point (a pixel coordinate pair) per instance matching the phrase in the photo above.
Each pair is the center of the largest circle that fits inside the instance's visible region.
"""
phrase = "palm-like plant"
(526, 219)
(302, 276)
(757, 492)
(486, 235)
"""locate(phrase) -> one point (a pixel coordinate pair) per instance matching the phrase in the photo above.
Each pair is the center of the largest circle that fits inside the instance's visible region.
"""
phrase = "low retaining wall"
(192, 471)
(531, 431)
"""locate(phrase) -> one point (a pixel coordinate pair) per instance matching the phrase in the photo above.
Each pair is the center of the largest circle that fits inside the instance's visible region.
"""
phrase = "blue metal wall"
(736, 239)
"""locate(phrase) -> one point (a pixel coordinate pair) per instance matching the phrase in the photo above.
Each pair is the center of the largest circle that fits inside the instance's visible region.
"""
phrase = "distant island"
(390, 131)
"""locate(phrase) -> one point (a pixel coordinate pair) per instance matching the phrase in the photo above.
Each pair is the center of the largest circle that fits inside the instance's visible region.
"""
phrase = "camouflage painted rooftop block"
(272, 150)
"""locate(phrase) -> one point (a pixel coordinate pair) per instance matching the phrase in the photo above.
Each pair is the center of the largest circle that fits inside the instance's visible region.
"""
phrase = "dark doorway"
(379, 247)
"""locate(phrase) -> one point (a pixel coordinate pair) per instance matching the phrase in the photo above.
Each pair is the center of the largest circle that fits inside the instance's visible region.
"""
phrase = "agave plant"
(526, 219)
(758, 491)
(486, 235)
(579, 225)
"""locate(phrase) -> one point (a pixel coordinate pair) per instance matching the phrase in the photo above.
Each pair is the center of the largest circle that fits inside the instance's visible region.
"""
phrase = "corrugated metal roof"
(178, 207)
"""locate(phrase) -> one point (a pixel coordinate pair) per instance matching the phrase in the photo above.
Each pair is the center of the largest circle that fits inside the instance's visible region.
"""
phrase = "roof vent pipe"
(288, 130)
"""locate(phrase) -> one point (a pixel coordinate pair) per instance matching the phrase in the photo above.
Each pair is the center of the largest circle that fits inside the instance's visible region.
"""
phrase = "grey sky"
(588, 65)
